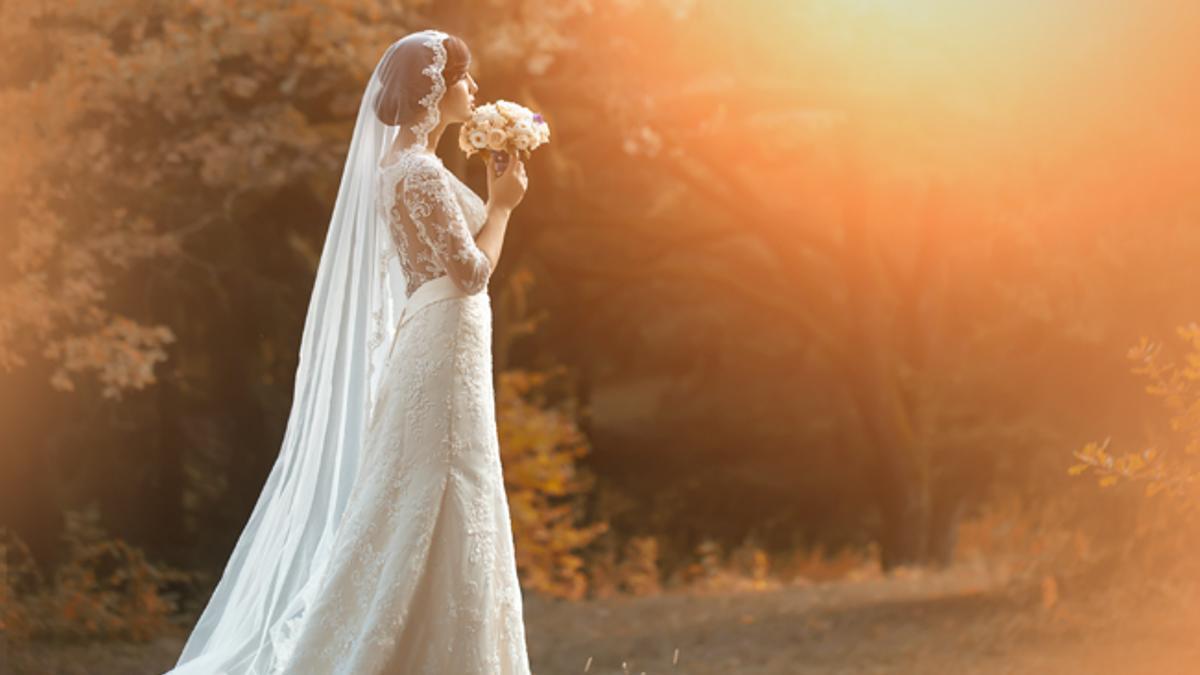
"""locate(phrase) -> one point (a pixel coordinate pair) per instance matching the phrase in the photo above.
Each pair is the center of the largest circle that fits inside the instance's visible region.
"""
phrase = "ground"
(918, 624)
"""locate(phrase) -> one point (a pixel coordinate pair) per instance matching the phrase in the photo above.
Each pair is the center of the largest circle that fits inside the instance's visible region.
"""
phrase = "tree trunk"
(920, 523)
(905, 512)
(943, 527)
(165, 526)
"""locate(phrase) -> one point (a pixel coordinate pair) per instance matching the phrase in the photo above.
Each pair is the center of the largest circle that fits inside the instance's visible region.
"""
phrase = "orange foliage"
(104, 589)
(132, 129)
(1171, 464)
(125, 136)
(1020, 544)
(540, 444)
(1159, 546)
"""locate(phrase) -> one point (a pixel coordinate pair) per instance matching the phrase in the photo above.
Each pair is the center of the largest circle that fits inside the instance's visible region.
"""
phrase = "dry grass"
(1012, 604)
(915, 622)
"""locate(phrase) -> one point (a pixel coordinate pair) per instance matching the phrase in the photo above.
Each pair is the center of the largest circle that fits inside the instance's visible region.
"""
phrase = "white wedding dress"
(381, 543)
(423, 577)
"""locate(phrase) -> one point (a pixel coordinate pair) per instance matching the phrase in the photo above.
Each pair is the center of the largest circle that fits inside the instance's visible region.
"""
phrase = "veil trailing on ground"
(277, 566)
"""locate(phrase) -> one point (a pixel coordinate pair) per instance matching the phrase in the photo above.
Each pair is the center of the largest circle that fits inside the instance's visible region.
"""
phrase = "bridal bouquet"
(503, 127)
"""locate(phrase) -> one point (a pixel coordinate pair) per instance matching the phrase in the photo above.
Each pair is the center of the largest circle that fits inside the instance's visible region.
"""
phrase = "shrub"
(104, 588)
(540, 443)
(1166, 470)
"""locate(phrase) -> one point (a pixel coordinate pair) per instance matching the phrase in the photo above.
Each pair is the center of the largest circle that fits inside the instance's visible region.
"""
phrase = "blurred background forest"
(800, 290)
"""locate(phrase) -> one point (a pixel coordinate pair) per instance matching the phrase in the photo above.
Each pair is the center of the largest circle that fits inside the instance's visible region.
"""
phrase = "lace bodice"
(433, 217)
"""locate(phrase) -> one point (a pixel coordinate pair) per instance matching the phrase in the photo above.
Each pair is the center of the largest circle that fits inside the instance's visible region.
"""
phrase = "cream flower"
(510, 110)
(492, 117)
(496, 138)
(503, 125)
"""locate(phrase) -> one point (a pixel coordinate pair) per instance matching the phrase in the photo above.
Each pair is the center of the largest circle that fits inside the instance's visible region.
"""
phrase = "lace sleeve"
(439, 221)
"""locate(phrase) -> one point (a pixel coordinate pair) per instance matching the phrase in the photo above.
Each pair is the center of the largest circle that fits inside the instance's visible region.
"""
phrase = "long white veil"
(277, 566)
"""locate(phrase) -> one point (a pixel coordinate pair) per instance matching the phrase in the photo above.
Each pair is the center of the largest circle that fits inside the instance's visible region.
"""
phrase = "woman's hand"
(507, 189)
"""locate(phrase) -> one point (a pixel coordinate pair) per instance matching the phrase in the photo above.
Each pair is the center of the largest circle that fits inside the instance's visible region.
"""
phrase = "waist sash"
(434, 290)
(428, 293)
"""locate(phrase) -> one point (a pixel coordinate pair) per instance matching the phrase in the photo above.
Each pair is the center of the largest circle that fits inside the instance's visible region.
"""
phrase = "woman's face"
(459, 100)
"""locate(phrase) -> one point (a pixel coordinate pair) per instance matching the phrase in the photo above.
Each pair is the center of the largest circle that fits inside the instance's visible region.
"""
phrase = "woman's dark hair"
(397, 104)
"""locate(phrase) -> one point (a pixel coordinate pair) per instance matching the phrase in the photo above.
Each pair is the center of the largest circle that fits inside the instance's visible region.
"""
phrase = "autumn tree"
(169, 175)
(836, 226)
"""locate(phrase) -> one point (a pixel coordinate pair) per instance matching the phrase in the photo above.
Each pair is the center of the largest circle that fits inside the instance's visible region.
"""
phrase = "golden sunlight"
(832, 336)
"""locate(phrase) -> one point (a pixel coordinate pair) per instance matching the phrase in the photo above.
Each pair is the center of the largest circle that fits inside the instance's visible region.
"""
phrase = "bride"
(381, 542)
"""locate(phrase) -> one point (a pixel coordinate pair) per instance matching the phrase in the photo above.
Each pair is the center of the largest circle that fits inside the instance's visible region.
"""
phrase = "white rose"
(496, 138)
(511, 110)
(478, 138)
(523, 141)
